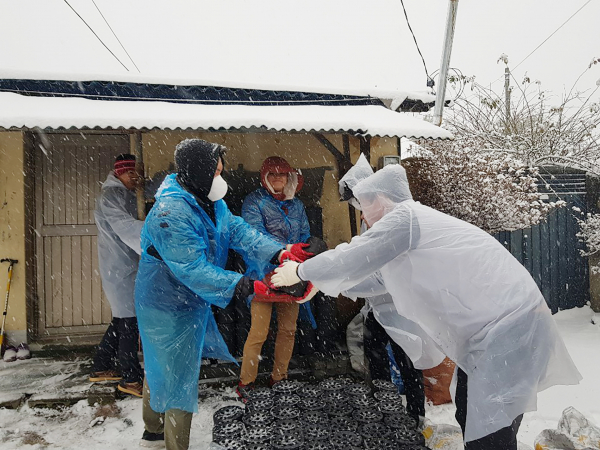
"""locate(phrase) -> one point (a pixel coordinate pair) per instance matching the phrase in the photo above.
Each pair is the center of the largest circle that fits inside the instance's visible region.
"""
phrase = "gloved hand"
(247, 286)
(310, 292)
(261, 288)
(284, 255)
(286, 274)
(298, 251)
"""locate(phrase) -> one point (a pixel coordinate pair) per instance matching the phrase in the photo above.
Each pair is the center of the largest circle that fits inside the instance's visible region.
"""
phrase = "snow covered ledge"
(20, 111)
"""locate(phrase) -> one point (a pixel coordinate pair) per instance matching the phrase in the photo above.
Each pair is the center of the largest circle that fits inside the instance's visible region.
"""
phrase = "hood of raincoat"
(276, 164)
(196, 161)
(361, 170)
(382, 192)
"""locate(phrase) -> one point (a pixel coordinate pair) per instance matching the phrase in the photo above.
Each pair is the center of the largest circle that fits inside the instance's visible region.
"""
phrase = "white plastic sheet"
(574, 432)
(469, 294)
(449, 437)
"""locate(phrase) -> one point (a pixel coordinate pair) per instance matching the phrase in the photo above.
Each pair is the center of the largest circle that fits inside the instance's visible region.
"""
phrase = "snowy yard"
(78, 427)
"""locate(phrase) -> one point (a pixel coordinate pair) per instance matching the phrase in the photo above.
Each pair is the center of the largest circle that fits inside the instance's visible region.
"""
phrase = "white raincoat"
(469, 294)
(118, 244)
(419, 347)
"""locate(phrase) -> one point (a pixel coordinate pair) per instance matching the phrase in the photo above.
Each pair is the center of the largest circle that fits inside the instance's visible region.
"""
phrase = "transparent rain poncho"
(174, 294)
(118, 244)
(469, 294)
(419, 347)
(359, 171)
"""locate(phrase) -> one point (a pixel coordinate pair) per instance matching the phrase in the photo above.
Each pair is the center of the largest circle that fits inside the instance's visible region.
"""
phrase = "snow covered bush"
(531, 124)
(589, 234)
(493, 191)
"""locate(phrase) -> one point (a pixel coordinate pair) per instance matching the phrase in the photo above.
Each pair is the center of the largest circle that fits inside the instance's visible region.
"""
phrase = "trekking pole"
(11, 262)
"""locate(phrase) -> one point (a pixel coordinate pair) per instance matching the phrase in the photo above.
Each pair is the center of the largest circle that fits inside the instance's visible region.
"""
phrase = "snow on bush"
(493, 191)
(589, 234)
(532, 124)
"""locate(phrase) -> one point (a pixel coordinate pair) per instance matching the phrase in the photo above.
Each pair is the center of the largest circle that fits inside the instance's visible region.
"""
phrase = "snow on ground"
(77, 427)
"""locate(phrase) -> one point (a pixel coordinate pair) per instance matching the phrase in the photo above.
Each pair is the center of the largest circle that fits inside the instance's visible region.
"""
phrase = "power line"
(98, 37)
(555, 31)
(115, 35)
(545, 40)
(416, 43)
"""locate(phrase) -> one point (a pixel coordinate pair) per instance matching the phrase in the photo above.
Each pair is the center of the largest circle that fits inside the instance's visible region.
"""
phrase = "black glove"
(244, 288)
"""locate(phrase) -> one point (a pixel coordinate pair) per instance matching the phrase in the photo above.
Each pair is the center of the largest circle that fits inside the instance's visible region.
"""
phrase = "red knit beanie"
(123, 164)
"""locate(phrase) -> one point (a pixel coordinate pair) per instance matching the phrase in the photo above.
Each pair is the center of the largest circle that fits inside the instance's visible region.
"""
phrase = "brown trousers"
(175, 423)
(287, 315)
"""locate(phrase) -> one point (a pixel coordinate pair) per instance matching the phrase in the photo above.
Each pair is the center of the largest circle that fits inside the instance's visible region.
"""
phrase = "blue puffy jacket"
(284, 221)
(174, 291)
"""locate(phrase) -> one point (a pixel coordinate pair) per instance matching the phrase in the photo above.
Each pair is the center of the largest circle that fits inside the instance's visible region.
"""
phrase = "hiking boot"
(105, 375)
(152, 440)
(134, 388)
(10, 354)
(23, 352)
(243, 391)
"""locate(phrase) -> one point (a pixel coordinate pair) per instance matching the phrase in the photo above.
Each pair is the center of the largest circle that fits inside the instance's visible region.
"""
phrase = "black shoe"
(152, 440)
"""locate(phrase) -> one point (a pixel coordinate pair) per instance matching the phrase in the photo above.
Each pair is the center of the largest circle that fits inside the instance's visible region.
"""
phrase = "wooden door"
(71, 169)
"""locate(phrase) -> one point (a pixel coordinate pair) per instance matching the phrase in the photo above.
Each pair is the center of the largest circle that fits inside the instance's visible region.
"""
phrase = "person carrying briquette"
(118, 254)
(185, 241)
(383, 324)
(469, 294)
(274, 210)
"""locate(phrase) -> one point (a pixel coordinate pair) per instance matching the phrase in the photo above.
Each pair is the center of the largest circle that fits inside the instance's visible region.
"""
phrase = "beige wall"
(249, 149)
(12, 232)
(301, 151)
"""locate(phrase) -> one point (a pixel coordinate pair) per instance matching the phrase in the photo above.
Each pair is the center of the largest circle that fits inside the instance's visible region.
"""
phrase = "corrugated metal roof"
(19, 111)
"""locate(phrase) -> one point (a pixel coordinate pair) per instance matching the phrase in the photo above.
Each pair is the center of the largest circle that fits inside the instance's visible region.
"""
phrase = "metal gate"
(71, 169)
(551, 251)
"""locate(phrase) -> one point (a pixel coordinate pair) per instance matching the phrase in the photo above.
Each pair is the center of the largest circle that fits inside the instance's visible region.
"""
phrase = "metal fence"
(551, 250)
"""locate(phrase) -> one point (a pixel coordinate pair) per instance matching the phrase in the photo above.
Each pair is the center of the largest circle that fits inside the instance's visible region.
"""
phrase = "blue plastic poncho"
(268, 215)
(173, 295)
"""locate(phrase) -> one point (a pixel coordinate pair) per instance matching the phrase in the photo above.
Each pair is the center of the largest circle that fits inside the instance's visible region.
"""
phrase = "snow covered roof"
(20, 111)
(337, 46)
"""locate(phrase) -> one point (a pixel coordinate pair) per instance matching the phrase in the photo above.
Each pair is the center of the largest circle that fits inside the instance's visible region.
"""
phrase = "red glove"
(285, 255)
(310, 292)
(298, 251)
(261, 288)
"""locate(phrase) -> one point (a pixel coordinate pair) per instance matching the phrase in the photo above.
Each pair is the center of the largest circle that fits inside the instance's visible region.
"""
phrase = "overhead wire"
(416, 43)
(98, 37)
(460, 77)
(545, 40)
(115, 35)
(555, 31)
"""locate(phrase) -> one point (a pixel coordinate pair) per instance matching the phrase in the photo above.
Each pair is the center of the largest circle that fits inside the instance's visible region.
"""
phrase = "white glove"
(286, 274)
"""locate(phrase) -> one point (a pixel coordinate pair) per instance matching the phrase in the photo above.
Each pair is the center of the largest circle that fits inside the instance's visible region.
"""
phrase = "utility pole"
(441, 93)
(507, 97)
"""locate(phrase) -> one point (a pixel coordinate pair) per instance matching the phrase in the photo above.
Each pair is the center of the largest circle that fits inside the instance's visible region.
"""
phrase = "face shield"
(376, 207)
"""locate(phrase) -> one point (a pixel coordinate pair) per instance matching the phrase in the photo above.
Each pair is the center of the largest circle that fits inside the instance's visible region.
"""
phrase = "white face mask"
(218, 189)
